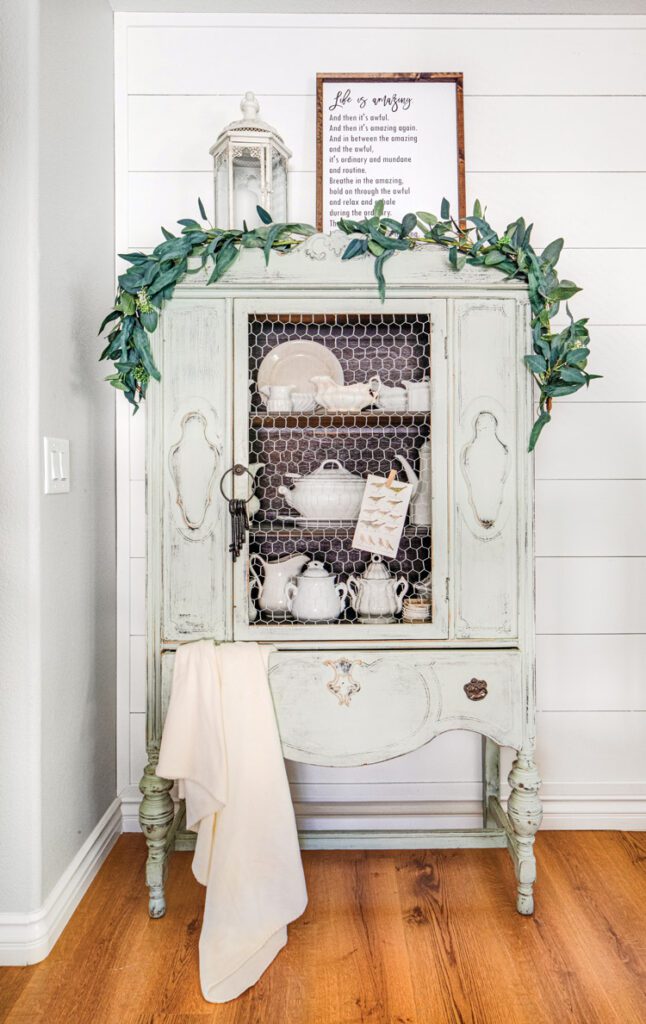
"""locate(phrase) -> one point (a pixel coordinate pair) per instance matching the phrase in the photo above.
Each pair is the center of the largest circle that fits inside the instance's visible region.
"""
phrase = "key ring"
(238, 470)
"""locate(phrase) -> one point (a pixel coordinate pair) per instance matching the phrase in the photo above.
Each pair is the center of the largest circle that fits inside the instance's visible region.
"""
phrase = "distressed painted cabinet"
(351, 691)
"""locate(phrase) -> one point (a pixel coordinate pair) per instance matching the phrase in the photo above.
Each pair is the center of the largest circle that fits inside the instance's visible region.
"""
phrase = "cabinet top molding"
(317, 264)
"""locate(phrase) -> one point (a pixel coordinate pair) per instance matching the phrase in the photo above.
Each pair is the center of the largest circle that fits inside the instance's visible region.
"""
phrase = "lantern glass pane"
(279, 187)
(221, 173)
(247, 187)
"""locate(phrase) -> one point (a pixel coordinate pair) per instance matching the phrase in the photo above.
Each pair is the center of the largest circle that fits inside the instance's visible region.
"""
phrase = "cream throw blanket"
(221, 741)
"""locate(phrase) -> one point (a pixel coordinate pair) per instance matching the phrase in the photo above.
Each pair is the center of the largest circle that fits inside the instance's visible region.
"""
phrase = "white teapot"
(376, 596)
(316, 596)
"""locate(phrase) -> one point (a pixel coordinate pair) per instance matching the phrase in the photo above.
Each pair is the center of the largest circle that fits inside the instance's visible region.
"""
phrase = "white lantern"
(249, 170)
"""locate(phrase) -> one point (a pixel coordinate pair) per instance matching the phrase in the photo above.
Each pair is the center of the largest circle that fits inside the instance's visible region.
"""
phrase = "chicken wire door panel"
(328, 392)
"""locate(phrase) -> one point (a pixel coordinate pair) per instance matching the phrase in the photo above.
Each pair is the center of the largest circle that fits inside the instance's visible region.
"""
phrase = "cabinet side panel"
(196, 449)
(485, 468)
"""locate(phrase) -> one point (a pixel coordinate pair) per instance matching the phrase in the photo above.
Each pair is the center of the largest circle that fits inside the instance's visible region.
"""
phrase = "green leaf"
(477, 209)
(301, 229)
(379, 273)
(445, 209)
(535, 363)
(409, 223)
(142, 346)
(387, 241)
(127, 303)
(391, 224)
(577, 356)
(356, 247)
(114, 315)
(149, 320)
(272, 235)
(222, 260)
(167, 234)
(428, 220)
(551, 252)
(456, 260)
(543, 419)
(561, 390)
(201, 209)
(134, 257)
(571, 375)
(351, 227)
(485, 230)
(378, 208)
(375, 248)
(494, 257)
(265, 217)
(564, 290)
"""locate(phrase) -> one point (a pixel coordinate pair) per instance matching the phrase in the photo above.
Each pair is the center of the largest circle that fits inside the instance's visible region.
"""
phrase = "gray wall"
(77, 568)
(19, 462)
(57, 598)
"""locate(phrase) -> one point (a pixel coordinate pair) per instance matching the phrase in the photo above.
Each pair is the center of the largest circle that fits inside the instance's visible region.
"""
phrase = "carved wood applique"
(343, 686)
(193, 464)
(485, 464)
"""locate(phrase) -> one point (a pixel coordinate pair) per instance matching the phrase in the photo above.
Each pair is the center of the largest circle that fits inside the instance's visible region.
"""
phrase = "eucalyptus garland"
(559, 360)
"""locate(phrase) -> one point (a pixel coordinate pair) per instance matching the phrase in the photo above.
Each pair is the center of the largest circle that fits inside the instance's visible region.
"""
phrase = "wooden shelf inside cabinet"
(340, 419)
(342, 530)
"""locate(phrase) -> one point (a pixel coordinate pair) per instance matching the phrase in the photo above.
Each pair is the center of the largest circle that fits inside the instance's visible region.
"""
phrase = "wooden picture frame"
(345, 80)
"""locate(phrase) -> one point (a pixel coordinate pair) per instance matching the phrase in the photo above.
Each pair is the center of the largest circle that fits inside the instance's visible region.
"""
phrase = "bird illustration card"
(382, 515)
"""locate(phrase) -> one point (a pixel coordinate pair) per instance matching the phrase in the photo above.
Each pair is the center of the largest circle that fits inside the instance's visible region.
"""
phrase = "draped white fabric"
(221, 742)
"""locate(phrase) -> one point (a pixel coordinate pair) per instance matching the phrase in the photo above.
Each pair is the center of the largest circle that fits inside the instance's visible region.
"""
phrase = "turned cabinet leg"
(525, 813)
(156, 813)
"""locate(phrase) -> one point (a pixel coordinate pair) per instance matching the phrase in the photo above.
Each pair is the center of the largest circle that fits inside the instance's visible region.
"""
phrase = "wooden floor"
(388, 938)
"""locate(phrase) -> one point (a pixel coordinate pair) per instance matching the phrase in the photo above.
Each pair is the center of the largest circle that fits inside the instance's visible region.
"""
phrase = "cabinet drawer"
(359, 707)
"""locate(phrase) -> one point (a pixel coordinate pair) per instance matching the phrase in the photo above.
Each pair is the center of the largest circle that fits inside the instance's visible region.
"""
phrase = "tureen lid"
(338, 473)
(376, 570)
(316, 570)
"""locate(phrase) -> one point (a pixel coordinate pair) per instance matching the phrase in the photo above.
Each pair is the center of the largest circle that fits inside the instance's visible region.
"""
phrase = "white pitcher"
(276, 576)
(277, 397)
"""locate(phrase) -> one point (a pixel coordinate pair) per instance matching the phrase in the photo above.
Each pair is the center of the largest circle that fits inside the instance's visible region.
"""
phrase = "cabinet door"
(486, 352)
(191, 446)
(350, 340)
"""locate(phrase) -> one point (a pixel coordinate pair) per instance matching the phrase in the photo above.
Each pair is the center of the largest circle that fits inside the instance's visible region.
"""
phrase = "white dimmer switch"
(57, 465)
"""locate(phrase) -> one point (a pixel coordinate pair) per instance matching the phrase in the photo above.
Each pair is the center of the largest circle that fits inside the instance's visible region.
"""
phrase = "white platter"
(303, 521)
(296, 362)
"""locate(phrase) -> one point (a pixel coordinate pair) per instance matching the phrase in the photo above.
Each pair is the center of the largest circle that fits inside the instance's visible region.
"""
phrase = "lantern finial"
(249, 106)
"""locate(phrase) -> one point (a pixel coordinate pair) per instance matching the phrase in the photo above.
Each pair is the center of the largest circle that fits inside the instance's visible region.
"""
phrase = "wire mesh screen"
(333, 398)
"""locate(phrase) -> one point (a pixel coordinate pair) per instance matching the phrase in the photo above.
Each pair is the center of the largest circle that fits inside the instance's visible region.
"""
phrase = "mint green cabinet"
(350, 692)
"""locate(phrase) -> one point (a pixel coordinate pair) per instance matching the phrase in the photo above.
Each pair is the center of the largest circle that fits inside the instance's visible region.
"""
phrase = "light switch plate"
(56, 465)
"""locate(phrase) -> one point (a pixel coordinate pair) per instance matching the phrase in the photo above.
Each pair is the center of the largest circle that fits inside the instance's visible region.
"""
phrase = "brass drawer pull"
(476, 689)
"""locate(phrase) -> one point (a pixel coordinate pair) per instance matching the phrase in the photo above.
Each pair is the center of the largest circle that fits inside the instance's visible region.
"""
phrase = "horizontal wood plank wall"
(553, 115)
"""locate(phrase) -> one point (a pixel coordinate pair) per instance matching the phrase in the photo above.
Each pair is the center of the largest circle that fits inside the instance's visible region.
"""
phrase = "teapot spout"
(411, 475)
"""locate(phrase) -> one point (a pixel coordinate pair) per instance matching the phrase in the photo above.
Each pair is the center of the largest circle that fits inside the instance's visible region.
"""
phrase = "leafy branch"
(559, 359)
(151, 279)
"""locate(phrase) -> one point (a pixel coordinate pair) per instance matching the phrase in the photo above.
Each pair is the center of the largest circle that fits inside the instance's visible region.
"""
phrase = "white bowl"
(395, 404)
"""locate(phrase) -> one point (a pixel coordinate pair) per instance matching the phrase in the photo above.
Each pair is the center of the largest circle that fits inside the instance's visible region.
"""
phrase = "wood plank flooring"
(388, 938)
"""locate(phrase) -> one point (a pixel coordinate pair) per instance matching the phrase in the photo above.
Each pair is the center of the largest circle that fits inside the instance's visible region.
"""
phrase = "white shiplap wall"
(554, 109)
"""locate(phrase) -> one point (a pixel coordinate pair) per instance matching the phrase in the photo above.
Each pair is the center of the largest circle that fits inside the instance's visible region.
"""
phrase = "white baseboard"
(445, 805)
(130, 800)
(27, 938)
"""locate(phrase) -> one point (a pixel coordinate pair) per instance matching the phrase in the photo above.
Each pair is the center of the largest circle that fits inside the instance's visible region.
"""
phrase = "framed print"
(396, 137)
